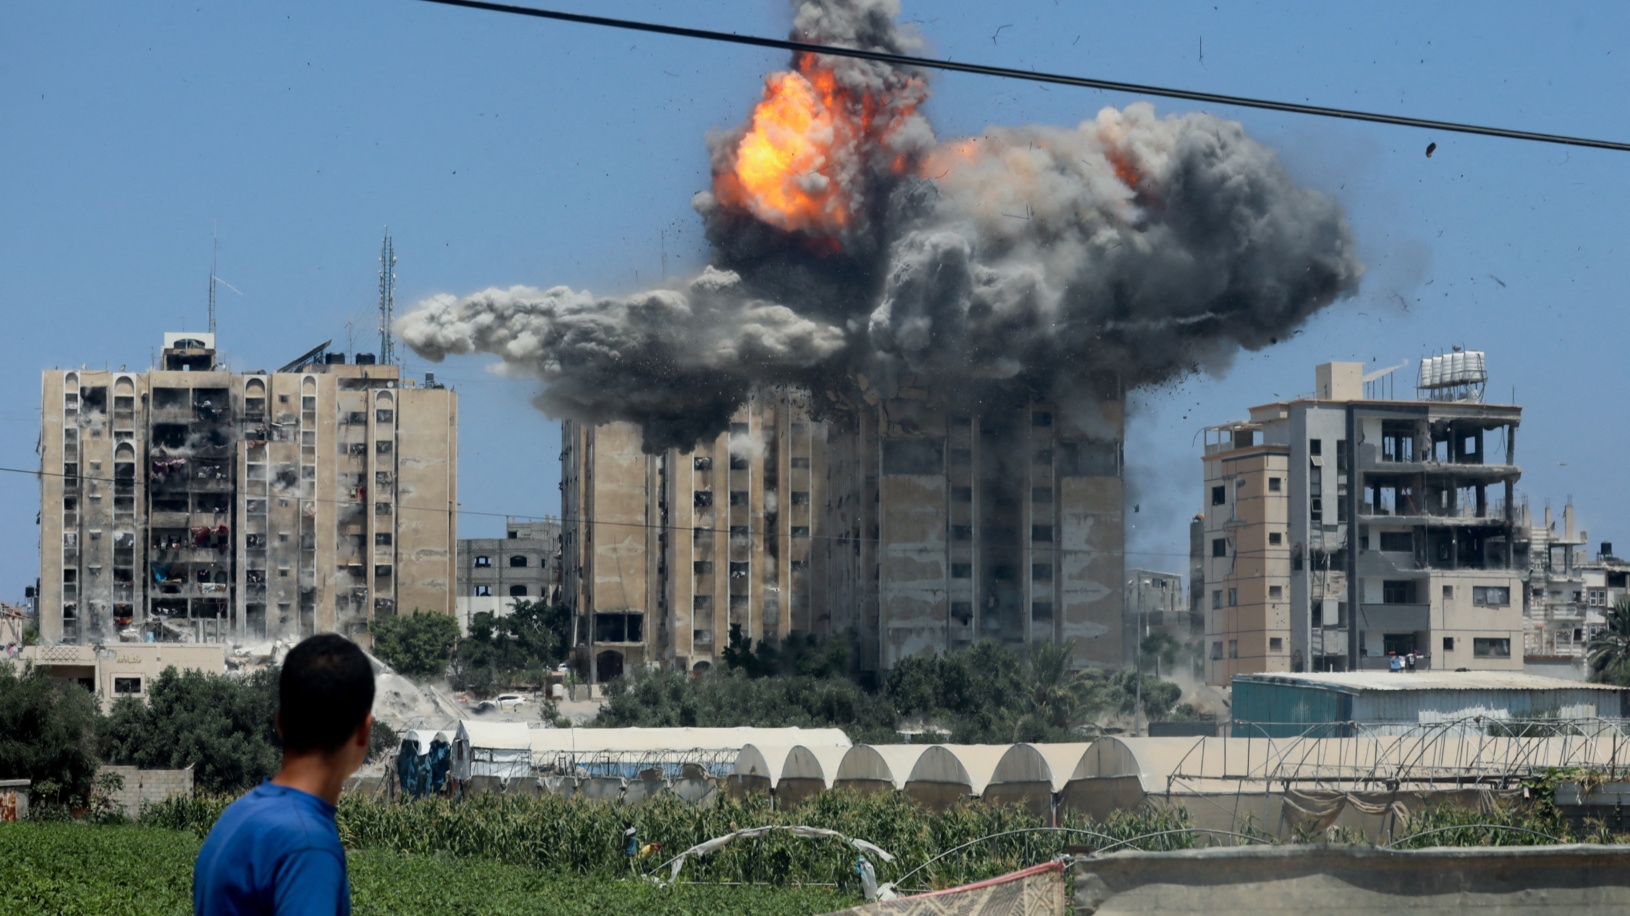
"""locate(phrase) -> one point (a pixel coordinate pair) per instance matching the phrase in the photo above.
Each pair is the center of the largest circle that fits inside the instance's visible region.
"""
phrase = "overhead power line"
(906, 60)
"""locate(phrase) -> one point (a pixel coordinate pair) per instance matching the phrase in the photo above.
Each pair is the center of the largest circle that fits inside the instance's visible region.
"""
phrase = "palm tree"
(1055, 695)
(1609, 650)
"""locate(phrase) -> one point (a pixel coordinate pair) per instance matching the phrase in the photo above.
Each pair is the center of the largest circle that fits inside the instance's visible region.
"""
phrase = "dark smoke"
(1027, 261)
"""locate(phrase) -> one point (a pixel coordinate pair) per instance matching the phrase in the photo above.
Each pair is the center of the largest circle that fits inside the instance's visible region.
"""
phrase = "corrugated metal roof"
(1424, 680)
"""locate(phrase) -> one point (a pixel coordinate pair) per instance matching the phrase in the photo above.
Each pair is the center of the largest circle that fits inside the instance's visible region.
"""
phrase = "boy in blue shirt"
(277, 849)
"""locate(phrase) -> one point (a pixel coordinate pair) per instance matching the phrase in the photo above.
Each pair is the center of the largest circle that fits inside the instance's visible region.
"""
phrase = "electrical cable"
(907, 60)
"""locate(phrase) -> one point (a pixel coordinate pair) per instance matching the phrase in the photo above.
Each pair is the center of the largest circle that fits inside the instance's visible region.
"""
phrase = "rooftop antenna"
(214, 253)
(387, 300)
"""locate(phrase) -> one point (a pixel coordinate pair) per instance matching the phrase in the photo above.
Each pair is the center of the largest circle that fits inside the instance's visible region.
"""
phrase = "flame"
(797, 165)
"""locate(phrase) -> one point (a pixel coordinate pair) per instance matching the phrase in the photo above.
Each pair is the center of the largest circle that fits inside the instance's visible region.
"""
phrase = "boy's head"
(325, 693)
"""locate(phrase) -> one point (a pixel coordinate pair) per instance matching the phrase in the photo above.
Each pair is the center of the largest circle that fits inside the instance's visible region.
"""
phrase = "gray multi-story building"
(1157, 603)
(193, 503)
(1569, 591)
(494, 572)
(1347, 525)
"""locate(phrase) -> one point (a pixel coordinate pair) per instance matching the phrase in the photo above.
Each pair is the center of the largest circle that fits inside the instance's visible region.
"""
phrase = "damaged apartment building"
(1569, 591)
(193, 503)
(915, 527)
(1348, 525)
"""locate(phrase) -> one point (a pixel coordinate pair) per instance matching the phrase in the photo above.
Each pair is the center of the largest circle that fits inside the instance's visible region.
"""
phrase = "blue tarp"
(426, 773)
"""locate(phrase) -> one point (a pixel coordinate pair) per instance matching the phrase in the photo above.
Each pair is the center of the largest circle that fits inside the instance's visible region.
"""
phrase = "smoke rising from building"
(846, 240)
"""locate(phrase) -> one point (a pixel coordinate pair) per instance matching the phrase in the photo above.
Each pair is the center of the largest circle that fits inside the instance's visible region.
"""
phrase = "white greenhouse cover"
(502, 749)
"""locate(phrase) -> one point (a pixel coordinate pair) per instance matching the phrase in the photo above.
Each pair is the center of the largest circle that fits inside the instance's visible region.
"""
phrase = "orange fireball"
(782, 168)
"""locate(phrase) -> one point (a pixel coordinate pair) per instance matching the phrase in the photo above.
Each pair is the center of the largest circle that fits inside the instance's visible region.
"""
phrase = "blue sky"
(501, 150)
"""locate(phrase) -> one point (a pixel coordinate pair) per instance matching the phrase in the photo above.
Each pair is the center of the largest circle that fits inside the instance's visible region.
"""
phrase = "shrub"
(48, 735)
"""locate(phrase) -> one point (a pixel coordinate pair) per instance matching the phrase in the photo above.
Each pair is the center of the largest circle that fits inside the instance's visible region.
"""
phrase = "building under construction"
(913, 526)
(193, 503)
(1349, 526)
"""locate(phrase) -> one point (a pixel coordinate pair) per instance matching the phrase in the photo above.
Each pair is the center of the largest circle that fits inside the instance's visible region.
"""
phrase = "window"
(517, 591)
(383, 416)
(702, 567)
(1397, 541)
(1042, 456)
(382, 508)
(1041, 494)
(1398, 591)
(483, 591)
(1216, 598)
(1275, 539)
(1233, 648)
(513, 535)
(483, 562)
(962, 570)
(1276, 644)
(1041, 572)
(798, 461)
(800, 497)
(1219, 495)
(961, 532)
(1041, 610)
(800, 531)
(701, 463)
(618, 627)
(518, 561)
(1448, 643)
(798, 566)
(1491, 595)
(1042, 533)
(1276, 592)
(912, 456)
(1315, 510)
(961, 456)
(1315, 446)
(738, 570)
(383, 539)
(738, 497)
(1233, 597)
(1273, 484)
(1491, 648)
(1216, 650)
(127, 685)
(1219, 547)
(703, 499)
(962, 494)
(701, 603)
(739, 463)
(1448, 593)
(962, 611)
(740, 531)
(739, 429)
(382, 447)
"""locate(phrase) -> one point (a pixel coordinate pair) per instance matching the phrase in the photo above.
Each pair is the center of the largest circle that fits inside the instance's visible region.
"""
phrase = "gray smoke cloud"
(1026, 261)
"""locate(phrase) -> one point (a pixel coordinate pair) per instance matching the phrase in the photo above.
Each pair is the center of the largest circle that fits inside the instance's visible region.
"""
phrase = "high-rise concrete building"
(493, 573)
(663, 554)
(192, 503)
(912, 526)
(1348, 525)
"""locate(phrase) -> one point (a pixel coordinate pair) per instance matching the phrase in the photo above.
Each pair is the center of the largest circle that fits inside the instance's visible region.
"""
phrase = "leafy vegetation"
(984, 694)
(64, 868)
(418, 644)
(221, 725)
(48, 735)
(1608, 652)
(512, 650)
(572, 835)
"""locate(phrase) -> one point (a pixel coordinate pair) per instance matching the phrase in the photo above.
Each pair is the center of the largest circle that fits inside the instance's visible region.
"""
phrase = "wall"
(1356, 881)
(147, 787)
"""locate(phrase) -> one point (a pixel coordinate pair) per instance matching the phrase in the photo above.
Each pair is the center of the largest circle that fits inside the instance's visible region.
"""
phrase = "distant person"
(1394, 662)
(277, 849)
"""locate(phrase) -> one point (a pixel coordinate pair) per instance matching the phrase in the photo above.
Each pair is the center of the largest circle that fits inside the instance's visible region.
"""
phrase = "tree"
(1608, 652)
(1058, 698)
(519, 647)
(48, 735)
(798, 654)
(220, 725)
(417, 645)
(723, 699)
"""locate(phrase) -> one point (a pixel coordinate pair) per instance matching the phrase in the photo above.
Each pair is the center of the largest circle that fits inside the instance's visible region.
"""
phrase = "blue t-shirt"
(273, 851)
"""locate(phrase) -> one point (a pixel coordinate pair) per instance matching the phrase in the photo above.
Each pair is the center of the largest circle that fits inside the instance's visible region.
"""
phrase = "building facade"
(524, 565)
(1157, 603)
(912, 526)
(192, 503)
(1341, 528)
(1569, 591)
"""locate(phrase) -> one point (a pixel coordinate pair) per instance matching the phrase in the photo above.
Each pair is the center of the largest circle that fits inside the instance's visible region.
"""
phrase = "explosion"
(848, 241)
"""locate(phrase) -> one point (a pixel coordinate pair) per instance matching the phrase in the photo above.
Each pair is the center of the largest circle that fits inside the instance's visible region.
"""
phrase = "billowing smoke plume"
(1026, 261)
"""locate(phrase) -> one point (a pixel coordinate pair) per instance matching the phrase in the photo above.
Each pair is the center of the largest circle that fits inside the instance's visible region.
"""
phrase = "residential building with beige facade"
(193, 503)
(913, 526)
(1346, 526)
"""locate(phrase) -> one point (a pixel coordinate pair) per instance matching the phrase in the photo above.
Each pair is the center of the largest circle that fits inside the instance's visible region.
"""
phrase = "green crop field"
(72, 869)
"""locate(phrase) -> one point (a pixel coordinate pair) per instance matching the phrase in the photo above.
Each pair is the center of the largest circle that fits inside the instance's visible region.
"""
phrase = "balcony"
(1395, 618)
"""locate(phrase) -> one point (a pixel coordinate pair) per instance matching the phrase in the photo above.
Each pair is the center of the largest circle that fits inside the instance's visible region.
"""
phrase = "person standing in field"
(277, 850)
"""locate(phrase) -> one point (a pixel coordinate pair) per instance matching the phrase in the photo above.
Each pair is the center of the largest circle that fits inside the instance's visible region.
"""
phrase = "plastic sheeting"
(814, 833)
(1035, 891)
(422, 762)
(500, 749)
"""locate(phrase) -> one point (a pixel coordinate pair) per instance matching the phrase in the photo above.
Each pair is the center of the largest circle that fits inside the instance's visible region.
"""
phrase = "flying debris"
(847, 241)
(1430, 149)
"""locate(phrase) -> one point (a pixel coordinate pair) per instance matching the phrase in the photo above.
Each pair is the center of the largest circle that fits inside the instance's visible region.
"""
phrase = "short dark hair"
(325, 691)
